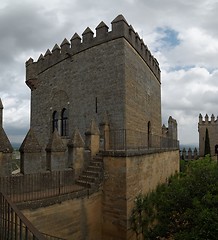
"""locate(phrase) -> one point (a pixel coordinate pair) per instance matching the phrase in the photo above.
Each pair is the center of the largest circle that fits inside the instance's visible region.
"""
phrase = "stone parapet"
(120, 29)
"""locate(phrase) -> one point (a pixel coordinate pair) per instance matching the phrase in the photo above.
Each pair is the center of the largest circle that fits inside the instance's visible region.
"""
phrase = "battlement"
(120, 29)
(206, 119)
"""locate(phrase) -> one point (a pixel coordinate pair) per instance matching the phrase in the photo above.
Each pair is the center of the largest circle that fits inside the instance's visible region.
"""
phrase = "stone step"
(94, 168)
(91, 173)
(98, 158)
(88, 179)
(97, 164)
(84, 183)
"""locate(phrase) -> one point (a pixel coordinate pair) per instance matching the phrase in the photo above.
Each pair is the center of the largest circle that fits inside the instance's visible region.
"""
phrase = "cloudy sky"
(181, 34)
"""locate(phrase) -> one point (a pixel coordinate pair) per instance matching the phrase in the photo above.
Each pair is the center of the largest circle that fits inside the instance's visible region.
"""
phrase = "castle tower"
(77, 84)
(111, 80)
(5, 148)
(212, 126)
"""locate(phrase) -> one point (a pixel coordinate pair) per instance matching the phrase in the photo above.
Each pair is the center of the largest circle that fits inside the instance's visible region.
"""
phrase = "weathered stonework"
(127, 177)
(73, 219)
(106, 87)
(113, 73)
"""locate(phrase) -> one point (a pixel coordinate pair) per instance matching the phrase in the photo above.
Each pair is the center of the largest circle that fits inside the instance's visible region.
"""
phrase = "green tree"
(185, 208)
(206, 143)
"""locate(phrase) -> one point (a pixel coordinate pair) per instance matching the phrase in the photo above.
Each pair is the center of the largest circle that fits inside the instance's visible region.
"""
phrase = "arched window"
(54, 121)
(64, 122)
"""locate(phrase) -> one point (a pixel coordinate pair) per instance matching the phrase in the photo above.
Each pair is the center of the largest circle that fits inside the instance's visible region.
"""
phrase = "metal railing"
(126, 139)
(13, 224)
(36, 186)
(50, 237)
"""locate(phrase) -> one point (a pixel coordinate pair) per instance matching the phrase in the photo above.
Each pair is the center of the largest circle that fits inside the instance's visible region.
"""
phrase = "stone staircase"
(93, 175)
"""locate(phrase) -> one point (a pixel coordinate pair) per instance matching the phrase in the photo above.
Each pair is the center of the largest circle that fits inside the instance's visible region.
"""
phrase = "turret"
(212, 118)
(172, 128)
(206, 118)
(200, 118)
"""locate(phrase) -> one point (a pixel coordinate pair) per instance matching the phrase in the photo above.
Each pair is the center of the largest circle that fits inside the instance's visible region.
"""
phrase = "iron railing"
(21, 188)
(126, 139)
(50, 237)
(13, 224)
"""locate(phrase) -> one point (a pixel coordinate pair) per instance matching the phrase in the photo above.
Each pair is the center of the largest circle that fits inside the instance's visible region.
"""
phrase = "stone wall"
(90, 78)
(105, 214)
(78, 219)
(143, 97)
(125, 179)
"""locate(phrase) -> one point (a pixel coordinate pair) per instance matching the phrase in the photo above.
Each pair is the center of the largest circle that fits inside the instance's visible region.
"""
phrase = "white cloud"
(189, 66)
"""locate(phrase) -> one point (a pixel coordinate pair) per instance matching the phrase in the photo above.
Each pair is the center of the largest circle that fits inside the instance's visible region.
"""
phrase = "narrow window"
(64, 122)
(54, 121)
(149, 134)
(96, 105)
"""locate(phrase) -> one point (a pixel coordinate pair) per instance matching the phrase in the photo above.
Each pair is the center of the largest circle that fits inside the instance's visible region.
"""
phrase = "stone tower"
(97, 98)
(5, 148)
(110, 73)
(212, 126)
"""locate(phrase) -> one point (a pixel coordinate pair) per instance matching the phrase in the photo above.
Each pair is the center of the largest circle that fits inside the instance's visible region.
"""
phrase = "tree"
(185, 208)
(206, 143)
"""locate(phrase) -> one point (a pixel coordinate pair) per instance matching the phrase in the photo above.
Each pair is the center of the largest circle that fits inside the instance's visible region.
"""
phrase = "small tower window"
(64, 122)
(149, 134)
(54, 121)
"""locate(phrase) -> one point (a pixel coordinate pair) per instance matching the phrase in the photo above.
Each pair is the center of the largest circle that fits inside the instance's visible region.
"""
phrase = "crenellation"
(87, 35)
(206, 120)
(120, 28)
(131, 30)
(65, 46)
(101, 30)
(209, 124)
(142, 45)
(189, 154)
(56, 49)
(40, 63)
(56, 54)
(47, 54)
(75, 42)
(138, 44)
(137, 38)
(212, 118)
(132, 36)
(28, 62)
(200, 119)
(41, 57)
(31, 74)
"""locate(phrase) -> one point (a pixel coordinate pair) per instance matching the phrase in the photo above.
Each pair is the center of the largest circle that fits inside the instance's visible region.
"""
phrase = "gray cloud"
(189, 64)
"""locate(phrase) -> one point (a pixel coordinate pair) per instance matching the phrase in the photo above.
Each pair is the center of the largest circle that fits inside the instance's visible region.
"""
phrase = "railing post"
(125, 142)
(59, 177)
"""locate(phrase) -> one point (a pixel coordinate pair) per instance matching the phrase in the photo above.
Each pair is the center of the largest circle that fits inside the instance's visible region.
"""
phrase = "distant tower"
(212, 126)
(5, 148)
